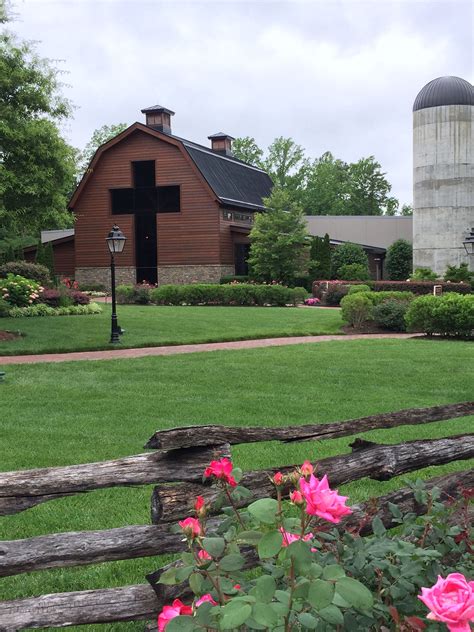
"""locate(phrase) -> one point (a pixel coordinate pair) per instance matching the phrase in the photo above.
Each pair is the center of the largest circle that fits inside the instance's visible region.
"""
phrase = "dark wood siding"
(189, 237)
(64, 259)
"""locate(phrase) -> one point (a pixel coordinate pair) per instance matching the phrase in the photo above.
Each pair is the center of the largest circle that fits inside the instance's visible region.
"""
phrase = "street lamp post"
(468, 243)
(116, 243)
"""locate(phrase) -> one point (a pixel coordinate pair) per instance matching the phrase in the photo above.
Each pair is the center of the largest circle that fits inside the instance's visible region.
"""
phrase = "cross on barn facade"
(144, 200)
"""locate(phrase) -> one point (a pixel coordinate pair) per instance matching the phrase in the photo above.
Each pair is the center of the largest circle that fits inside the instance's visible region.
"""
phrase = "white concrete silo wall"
(443, 185)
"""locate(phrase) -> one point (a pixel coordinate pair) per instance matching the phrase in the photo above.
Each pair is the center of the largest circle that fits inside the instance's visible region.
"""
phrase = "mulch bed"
(8, 335)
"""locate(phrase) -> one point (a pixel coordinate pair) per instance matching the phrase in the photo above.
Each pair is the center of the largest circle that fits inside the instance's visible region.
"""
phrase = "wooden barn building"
(185, 209)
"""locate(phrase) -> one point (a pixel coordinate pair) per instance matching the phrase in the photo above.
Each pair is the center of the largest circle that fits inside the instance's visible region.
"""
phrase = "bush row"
(212, 294)
(41, 309)
(386, 309)
(449, 315)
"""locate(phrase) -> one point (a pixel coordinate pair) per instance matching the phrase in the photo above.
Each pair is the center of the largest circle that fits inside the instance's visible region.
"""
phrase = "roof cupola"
(221, 143)
(159, 118)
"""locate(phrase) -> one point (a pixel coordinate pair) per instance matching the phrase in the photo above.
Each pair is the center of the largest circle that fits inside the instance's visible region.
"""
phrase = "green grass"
(59, 414)
(153, 326)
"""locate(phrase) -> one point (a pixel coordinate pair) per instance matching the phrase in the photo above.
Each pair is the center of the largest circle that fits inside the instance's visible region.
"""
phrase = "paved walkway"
(193, 348)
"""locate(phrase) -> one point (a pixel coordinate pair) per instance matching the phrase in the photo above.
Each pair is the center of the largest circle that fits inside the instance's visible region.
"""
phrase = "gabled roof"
(233, 182)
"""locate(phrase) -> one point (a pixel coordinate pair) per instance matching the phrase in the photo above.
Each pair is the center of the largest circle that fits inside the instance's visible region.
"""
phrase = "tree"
(98, 138)
(287, 166)
(407, 210)
(368, 188)
(279, 240)
(347, 254)
(37, 166)
(319, 266)
(45, 256)
(246, 149)
(327, 186)
(399, 260)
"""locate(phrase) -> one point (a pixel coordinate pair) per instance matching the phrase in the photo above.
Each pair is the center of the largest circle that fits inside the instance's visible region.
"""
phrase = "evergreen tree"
(347, 254)
(320, 258)
(399, 261)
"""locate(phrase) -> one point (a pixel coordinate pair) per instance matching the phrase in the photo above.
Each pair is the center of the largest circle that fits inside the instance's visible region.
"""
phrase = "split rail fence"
(176, 467)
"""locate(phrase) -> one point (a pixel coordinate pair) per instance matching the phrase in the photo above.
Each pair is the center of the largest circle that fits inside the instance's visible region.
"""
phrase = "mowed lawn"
(59, 414)
(150, 325)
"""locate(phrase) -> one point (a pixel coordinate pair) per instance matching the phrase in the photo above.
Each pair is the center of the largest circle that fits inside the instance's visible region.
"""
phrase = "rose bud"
(306, 469)
(278, 479)
(296, 497)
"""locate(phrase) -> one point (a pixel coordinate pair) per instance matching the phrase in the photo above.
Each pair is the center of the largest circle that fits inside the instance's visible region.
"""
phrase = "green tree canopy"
(399, 262)
(279, 240)
(37, 166)
(368, 188)
(347, 254)
(327, 186)
(246, 149)
(98, 138)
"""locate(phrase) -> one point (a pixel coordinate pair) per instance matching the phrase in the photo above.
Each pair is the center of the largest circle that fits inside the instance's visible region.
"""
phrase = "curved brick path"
(192, 348)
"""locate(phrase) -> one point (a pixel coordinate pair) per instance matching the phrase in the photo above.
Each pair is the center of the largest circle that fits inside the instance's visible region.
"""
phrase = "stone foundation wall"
(123, 275)
(182, 275)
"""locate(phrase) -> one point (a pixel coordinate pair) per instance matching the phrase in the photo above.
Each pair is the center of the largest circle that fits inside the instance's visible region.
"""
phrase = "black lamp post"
(468, 243)
(116, 243)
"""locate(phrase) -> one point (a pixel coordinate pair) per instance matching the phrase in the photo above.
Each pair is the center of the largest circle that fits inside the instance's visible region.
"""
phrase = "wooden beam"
(91, 547)
(379, 462)
(26, 488)
(189, 436)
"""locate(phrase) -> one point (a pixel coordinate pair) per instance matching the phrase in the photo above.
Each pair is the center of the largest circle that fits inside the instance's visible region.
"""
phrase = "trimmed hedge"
(238, 294)
(41, 309)
(416, 287)
(448, 315)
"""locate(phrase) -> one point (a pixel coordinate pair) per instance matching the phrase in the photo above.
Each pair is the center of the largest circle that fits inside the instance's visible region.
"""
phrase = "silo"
(443, 173)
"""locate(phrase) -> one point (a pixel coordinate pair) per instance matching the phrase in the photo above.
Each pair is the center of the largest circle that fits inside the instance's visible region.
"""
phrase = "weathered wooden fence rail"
(177, 469)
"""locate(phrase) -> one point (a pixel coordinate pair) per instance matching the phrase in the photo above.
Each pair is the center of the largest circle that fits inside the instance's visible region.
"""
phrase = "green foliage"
(368, 188)
(390, 314)
(319, 266)
(448, 315)
(354, 272)
(347, 254)
(41, 309)
(247, 150)
(18, 291)
(356, 309)
(279, 240)
(214, 294)
(354, 289)
(399, 260)
(407, 210)
(33, 271)
(232, 278)
(45, 257)
(5, 308)
(327, 187)
(457, 275)
(287, 166)
(37, 168)
(419, 287)
(423, 274)
(99, 137)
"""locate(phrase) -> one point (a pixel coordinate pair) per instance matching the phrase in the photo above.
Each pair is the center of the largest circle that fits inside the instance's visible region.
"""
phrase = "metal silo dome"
(444, 91)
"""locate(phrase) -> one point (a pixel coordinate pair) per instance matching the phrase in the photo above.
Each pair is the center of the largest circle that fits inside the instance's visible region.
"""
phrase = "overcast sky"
(338, 76)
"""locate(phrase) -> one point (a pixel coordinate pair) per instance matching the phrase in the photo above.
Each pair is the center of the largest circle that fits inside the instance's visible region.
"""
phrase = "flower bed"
(41, 309)
(313, 575)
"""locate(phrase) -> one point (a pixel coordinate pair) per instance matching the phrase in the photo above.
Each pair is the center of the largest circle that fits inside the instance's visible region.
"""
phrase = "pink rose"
(222, 470)
(306, 469)
(205, 598)
(191, 527)
(204, 556)
(170, 612)
(296, 497)
(322, 501)
(200, 506)
(278, 479)
(288, 537)
(451, 601)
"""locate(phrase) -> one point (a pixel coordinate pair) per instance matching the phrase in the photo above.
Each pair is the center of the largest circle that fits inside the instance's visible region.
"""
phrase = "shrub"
(424, 274)
(79, 298)
(33, 271)
(19, 291)
(227, 294)
(125, 294)
(354, 289)
(458, 274)
(353, 272)
(347, 254)
(51, 297)
(356, 309)
(399, 260)
(142, 293)
(390, 314)
(448, 315)
(167, 295)
(41, 309)
(4, 308)
(232, 278)
(93, 287)
(330, 292)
